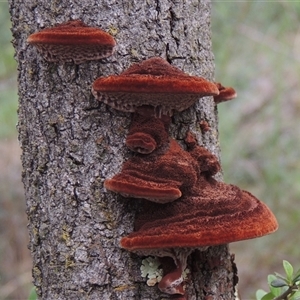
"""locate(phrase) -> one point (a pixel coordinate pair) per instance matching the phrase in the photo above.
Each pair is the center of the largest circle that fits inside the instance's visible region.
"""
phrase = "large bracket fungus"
(209, 213)
(183, 208)
(73, 41)
(152, 82)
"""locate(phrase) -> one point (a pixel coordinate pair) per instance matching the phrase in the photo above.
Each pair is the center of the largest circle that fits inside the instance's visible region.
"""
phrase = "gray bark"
(71, 144)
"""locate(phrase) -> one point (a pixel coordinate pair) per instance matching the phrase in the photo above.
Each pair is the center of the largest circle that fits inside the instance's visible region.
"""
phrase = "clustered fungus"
(73, 41)
(183, 207)
(208, 213)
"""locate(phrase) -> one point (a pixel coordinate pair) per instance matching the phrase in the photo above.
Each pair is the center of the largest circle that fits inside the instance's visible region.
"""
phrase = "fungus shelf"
(73, 41)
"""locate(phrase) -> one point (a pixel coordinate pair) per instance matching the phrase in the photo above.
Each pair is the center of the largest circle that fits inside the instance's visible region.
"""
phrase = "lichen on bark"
(71, 143)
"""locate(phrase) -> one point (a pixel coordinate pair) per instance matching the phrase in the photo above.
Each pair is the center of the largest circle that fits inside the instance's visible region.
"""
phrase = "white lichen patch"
(150, 269)
(185, 274)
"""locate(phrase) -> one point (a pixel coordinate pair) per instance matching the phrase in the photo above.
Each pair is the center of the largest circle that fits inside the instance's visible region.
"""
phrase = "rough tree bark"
(71, 143)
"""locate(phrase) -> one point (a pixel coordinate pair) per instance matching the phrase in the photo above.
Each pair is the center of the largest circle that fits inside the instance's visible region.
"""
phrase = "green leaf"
(289, 270)
(278, 283)
(260, 294)
(296, 296)
(32, 295)
(280, 276)
(269, 296)
(275, 291)
(297, 277)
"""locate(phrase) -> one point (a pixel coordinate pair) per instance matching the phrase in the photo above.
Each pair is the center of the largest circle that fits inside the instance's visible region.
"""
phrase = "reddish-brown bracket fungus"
(208, 213)
(204, 126)
(159, 177)
(73, 41)
(152, 82)
(168, 172)
(173, 282)
(147, 133)
(226, 93)
(215, 213)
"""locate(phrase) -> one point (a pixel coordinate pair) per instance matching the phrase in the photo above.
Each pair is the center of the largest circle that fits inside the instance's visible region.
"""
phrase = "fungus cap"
(73, 41)
(141, 142)
(152, 82)
(226, 93)
(221, 214)
(158, 177)
(130, 186)
(147, 133)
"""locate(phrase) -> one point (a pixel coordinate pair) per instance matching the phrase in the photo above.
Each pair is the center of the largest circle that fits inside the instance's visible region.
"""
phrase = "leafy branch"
(282, 287)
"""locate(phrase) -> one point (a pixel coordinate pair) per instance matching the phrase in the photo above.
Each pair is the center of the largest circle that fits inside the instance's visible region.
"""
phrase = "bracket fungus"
(219, 214)
(209, 213)
(152, 82)
(226, 93)
(147, 133)
(167, 173)
(158, 177)
(73, 41)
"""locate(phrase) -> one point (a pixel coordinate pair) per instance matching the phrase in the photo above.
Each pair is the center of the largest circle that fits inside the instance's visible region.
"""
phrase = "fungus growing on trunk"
(161, 176)
(168, 172)
(73, 41)
(152, 82)
(147, 133)
(226, 93)
(209, 213)
(214, 213)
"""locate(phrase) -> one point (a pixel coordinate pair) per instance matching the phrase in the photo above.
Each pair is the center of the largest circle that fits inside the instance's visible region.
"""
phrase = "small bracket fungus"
(147, 133)
(160, 176)
(204, 126)
(152, 82)
(73, 41)
(226, 93)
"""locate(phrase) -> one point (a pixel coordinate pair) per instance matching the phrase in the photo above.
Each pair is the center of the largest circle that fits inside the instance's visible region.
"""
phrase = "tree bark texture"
(71, 143)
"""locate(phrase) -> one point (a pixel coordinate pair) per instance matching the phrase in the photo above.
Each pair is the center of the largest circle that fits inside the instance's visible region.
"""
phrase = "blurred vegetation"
(282, 287)
(257, 51)
(8, 83)
(15, 261)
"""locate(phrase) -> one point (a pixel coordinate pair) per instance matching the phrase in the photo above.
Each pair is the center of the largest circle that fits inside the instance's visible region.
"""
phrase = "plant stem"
(285, 295)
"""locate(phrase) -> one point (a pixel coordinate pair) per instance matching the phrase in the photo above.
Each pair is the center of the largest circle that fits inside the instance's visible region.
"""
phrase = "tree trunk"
(71, 143)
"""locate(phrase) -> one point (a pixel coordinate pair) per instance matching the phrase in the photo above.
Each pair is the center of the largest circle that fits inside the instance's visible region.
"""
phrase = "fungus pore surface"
(152, 82)
(73, 41)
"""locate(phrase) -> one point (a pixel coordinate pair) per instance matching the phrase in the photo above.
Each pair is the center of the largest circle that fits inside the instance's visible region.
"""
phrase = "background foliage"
(257, 51)
(256, 46)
